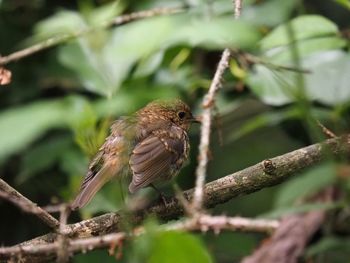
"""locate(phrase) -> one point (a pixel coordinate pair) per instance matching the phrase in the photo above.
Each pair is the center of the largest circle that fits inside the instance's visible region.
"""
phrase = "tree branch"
(207, 104)
(10, 194)
(59, 39)
(44, 252)
(264, 174)
(289, 240)
(217, 223)
(237, 8)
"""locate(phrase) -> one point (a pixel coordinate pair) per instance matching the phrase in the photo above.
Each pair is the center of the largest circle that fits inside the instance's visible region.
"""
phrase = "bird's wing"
(111, 158)
(155, 157)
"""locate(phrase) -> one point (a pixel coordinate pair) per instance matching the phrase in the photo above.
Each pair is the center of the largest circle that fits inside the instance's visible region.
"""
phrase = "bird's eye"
(181, 114)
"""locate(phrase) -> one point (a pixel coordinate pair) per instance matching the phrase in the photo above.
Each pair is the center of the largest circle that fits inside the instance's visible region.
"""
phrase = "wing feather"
(154, 158)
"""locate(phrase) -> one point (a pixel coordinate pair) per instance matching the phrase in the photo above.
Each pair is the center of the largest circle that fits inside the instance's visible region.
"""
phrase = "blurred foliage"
(57, 110)
(168, 247)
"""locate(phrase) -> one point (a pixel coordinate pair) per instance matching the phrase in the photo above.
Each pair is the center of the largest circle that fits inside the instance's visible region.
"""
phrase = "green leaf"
(317, 44)
(215, 33)
(83, 116)
(330, 78)
(271, 86)
(123, 49)
(178, 247)
(70, 22)
(63, 22)
(149, 64)
(88, 134)
(304, 27)
(307, 184)
(74, 163)
(83, 55)
(260, 13)
(344, 3)
(102, 59)
(284, 55)
(327, 82)
(42, 156)
(22, 125)
(105, 13)
(89, 67)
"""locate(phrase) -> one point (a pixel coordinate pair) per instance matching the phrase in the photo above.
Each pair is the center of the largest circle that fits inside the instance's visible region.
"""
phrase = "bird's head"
(173, 110)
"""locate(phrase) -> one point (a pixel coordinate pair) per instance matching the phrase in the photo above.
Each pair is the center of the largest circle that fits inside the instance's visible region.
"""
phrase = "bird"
(150, 145)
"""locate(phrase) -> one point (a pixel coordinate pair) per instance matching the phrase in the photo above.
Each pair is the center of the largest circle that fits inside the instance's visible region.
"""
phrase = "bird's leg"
(161, 195)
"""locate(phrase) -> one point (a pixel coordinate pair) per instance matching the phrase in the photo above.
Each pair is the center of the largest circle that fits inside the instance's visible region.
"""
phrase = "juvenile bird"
(151, 145)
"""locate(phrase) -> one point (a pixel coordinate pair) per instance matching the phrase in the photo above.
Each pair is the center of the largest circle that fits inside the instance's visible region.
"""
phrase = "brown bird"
(151, 145)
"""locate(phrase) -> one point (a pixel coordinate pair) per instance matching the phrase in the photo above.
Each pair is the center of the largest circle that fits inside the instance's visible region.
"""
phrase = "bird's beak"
(195, 119)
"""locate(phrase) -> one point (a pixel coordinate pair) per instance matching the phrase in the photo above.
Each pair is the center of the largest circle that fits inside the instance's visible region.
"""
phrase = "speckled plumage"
(151, 145)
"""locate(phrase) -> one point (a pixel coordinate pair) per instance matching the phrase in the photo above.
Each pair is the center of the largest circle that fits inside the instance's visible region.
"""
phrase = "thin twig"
(205, 223)
(53, 41)
(83, 244)
(326, 131)
(248, 59)
(237, 8)
(55, 208)
(145, 14)
(63, 240)
(184, 202)
(59, 39)
(207, 104)
(13, 196)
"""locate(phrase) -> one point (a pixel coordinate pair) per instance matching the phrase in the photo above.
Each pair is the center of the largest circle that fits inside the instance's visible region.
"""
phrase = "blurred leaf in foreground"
(177, 247)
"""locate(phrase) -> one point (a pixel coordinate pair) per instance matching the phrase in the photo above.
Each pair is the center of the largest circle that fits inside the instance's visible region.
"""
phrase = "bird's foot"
(163, 198)
(161, 195)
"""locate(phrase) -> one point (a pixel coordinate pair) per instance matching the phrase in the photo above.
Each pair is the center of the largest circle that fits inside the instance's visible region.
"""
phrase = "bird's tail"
(91, 184)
